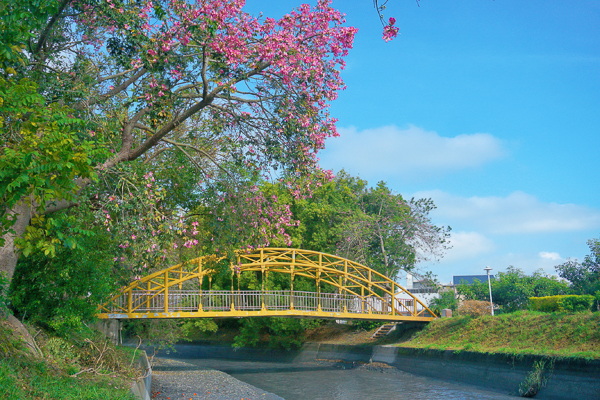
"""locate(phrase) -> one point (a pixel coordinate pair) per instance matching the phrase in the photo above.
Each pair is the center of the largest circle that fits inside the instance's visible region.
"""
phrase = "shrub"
(568, 303)
(576, 303)
(474, 308)
(536, 379)
(545, 304)
(366, 325)
(447, 299)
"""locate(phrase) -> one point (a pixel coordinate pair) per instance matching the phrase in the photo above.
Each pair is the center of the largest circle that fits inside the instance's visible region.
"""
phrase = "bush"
(366, 325)
(474, 308)
(568, 303)
(447, 299)
(544, 304)
(63, 291)
(576, 303)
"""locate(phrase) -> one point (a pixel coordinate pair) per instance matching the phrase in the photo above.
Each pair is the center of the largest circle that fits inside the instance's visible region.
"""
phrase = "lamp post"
(488, 269)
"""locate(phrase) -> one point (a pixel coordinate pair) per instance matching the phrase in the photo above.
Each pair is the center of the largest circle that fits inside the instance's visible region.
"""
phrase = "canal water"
(338, 380)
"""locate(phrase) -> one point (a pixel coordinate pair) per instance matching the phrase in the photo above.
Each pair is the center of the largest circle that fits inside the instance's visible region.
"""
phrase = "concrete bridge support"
(111, 328)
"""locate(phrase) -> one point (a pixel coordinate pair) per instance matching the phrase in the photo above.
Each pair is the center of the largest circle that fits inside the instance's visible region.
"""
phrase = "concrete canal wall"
(141, 387)
(570, 379)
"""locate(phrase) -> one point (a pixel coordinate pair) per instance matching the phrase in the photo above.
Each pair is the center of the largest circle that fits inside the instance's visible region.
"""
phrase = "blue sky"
(492, 109)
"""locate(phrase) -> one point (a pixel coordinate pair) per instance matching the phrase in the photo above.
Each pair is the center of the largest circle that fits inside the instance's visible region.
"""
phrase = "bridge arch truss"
(360, 292)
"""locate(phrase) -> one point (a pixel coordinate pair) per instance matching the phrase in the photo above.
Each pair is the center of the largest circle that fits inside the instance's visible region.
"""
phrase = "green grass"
(523, 332)
(28, 379)
(24, 376)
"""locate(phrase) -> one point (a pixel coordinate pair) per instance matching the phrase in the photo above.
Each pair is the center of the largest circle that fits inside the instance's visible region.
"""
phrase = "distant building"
(421, 290)
(469, 279)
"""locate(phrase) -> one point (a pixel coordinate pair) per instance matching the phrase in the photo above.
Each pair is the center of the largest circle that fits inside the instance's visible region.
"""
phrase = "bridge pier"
(111, 328)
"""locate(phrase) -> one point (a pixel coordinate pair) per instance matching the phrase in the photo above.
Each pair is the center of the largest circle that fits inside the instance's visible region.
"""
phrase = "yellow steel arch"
(361, 292)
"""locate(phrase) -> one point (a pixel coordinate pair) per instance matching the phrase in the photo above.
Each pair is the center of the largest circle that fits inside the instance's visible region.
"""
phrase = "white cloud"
(516, 213)
(467, 246)
(410, 151)
(550, 256)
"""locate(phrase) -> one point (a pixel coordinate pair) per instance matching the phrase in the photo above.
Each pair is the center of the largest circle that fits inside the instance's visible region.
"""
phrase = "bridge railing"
(223, 300)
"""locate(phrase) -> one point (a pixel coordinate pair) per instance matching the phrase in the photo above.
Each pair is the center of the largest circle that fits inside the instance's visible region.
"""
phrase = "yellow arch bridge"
(360, 292)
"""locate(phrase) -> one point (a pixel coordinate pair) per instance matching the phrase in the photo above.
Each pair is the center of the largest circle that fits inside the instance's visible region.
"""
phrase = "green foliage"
(512, 289)
(576, 303)
(4, 286)
(536, 379)
(190, 328)
(372, 226)
(164, 333)
(585, 276)
(279, 333)
(567, 303)
(545, 304)
(64, 291)
(447, 299)
(61, 352)
(365, 325)
(103, 369)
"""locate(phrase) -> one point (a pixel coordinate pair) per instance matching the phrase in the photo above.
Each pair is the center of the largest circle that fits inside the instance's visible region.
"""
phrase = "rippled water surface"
(327, 380)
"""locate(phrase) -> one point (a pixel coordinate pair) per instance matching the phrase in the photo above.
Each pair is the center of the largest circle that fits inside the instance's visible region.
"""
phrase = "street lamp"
(488, 269)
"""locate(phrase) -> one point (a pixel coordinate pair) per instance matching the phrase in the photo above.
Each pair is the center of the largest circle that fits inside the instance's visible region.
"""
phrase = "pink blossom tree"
(157, 79)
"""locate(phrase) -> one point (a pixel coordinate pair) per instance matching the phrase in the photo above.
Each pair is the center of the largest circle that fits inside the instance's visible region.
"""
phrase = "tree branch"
(50, 25)
(86, 103)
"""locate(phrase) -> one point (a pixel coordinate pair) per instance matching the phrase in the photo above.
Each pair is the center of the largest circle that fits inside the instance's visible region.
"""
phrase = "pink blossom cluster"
(390, 31)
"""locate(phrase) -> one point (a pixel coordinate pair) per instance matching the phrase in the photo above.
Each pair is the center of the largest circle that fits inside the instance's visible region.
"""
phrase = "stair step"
(383, 331)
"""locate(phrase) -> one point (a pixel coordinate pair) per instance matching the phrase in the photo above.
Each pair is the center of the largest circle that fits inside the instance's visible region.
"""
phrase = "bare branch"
(86, 103)
(105, 78)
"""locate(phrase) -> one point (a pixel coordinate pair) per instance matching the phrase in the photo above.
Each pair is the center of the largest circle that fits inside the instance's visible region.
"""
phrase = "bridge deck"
(282, 303)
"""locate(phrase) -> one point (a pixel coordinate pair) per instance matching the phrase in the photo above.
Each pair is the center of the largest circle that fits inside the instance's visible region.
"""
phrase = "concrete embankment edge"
(570, 379)
(142, 386)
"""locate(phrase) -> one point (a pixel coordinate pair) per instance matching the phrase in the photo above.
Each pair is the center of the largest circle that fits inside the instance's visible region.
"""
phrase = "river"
(330, 380)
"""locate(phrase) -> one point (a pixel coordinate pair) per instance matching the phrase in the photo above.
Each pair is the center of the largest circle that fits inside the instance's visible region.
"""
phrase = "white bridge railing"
(223, 300)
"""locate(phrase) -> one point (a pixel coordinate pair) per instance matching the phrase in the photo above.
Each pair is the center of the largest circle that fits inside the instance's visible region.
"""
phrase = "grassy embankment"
(83, 367)
(520, 333)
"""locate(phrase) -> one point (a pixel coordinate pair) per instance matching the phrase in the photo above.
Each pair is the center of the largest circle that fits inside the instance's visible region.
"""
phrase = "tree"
(585, 276)
(372, 226)
(512, 289)
(391, 234)
(135, 83)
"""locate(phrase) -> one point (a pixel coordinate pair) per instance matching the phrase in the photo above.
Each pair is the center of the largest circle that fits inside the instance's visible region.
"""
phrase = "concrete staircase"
(383, 330)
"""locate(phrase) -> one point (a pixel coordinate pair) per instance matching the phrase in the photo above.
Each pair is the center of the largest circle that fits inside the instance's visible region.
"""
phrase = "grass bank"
(83, 367)
(524, 332)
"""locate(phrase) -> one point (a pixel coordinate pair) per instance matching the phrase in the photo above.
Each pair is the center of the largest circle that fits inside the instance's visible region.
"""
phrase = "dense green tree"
(63, 291)
(512, 289)
(372, 226)
(584, 276)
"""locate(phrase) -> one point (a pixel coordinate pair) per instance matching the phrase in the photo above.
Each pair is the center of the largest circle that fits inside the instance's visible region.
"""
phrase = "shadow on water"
(233, 370)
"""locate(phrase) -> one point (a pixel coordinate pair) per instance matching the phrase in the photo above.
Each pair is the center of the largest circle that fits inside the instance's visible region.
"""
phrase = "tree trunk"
(8, 253)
